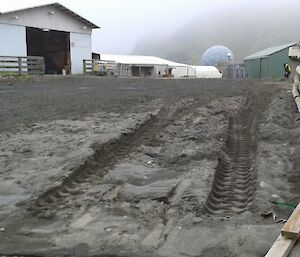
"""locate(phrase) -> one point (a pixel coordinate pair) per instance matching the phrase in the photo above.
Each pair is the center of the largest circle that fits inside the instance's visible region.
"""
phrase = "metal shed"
(52, 31)
(269, 63)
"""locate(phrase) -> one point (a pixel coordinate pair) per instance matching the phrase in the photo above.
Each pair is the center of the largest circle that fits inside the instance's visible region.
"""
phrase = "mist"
(244, 26)
(124, 23)
(161, 27)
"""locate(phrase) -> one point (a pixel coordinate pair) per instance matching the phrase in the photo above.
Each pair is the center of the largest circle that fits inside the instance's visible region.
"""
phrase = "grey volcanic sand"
(146, 196)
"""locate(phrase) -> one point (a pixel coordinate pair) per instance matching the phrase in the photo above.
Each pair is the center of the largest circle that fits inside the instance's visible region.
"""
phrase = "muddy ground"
(109, 167)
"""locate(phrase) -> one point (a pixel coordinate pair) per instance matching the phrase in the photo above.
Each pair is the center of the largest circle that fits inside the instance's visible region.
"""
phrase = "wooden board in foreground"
(281, 247)
(291, 228)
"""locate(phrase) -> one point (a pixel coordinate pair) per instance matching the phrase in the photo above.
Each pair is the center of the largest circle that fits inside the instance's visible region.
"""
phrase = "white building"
(52, 31)
(155, 67)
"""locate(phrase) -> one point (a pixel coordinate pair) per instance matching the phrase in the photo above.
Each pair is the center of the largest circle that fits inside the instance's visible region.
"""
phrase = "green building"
(268, 63)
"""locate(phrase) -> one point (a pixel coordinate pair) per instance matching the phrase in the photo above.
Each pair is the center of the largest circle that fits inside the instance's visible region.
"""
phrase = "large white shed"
(155, 67)
(52, 31)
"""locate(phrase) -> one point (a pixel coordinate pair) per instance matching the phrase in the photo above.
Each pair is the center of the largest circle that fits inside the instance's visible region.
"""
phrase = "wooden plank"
(8, 67)
(8, 61)
(291, 228)
(282, 247)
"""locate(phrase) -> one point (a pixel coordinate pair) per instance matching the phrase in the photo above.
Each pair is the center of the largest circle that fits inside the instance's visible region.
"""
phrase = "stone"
(159, 190)
(153, 239)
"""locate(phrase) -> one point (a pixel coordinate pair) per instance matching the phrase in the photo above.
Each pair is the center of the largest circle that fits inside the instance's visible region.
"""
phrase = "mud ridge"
(234, 185)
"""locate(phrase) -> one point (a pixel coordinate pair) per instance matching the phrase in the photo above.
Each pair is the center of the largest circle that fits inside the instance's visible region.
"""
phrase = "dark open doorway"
(54, 46)
(135, 71)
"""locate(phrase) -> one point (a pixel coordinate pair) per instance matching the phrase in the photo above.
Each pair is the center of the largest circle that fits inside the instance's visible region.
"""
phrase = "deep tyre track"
(234, 185)
(106, 156)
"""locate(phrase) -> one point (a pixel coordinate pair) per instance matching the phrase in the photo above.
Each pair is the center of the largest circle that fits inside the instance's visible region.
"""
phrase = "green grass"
(6, 74)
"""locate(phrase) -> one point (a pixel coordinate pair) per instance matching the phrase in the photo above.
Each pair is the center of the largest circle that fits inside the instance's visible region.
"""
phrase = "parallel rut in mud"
(234, 185)
(105, 157)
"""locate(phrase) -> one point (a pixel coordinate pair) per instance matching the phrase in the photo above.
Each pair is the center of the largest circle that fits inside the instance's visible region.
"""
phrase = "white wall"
(161, 69)
(183, 71)
(40, 18)
(12, 40)
(81, 49)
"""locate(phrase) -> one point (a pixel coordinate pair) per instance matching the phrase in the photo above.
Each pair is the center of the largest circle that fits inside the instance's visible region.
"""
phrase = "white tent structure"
(155, 67)
(207, 72)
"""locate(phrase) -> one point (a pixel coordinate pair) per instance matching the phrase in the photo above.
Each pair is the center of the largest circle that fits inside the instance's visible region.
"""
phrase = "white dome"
(215, 55)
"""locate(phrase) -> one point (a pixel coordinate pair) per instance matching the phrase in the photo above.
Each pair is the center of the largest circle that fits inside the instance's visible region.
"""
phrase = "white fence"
(29, 65)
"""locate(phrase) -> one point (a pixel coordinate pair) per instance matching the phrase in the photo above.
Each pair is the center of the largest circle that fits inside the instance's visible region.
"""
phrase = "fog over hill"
(245, 28)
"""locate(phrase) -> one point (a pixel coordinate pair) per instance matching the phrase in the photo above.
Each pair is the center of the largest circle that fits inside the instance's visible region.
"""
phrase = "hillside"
(245, 29)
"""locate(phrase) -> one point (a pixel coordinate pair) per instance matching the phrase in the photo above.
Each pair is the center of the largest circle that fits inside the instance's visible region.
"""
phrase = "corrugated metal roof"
(269, 51)
(62, 8)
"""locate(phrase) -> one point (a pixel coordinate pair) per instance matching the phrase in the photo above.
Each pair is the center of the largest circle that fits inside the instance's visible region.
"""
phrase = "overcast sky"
(124, 22)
